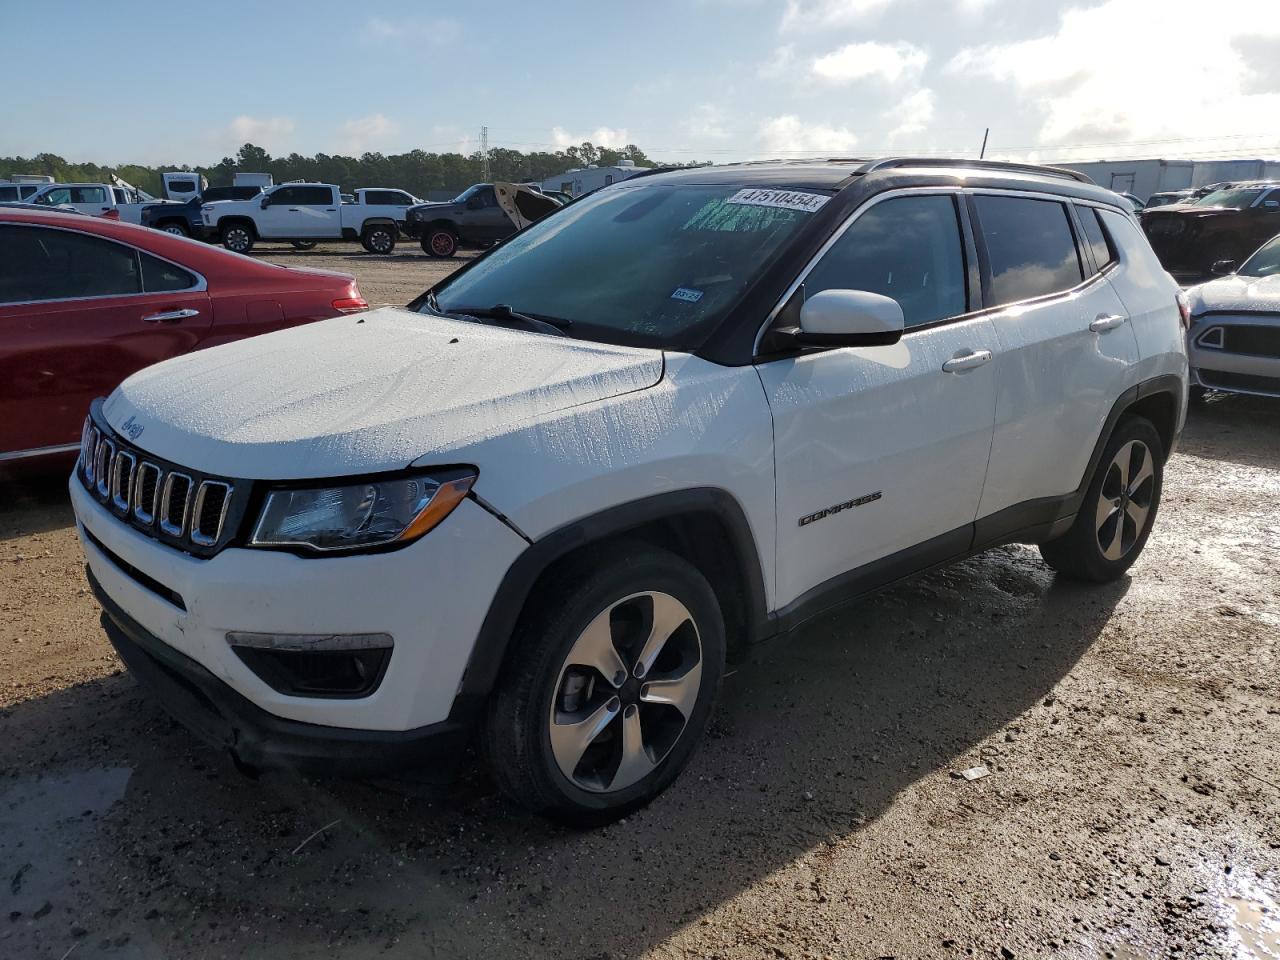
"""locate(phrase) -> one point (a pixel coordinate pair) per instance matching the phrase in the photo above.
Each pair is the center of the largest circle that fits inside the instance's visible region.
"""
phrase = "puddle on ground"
(48, 826)
(1253, 917)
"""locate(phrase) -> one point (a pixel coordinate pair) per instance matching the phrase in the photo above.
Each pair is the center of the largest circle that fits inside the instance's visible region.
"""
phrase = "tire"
(1198, 394)
(1119, 507)
(237, 238)
(439, 242)
(176, 228)
(379, 238)
(302, 244)
(612, 599)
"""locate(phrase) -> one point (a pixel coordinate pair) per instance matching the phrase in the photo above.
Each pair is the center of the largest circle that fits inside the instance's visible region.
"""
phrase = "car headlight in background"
(357, 516)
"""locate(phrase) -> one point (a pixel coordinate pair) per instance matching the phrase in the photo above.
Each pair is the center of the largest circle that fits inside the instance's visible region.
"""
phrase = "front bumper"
(412, 229)
(1230, 370)
(258, 740)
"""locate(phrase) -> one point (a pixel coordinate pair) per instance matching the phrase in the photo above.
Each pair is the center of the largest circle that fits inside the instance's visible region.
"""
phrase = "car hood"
(363, 393)
(1236, 294)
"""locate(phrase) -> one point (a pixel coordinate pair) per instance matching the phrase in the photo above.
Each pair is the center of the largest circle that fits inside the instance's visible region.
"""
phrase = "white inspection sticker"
(687, 295)
(786, 199)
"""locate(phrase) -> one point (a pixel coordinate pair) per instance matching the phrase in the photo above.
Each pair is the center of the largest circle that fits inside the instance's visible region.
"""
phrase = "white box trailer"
(262, 180)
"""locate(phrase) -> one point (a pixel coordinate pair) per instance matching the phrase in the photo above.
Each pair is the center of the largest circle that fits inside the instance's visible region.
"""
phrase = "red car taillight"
(111, 215)
(351, 301)
(1184, 310)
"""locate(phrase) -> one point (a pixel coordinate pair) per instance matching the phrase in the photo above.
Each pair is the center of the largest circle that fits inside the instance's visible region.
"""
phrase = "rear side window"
(1096, 236)
(304, 196)
(8, 193)
(1031, 248)
(389, 197)
(38, 264)
(161, 277)
(908, 248)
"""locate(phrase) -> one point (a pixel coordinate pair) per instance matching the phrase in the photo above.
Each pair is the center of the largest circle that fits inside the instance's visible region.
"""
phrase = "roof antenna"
(983, 152)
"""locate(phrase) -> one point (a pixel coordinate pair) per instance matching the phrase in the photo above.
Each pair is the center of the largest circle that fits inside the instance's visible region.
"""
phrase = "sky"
(686, 80)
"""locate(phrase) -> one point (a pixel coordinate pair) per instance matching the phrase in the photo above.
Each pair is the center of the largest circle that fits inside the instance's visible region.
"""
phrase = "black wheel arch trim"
(490, 650)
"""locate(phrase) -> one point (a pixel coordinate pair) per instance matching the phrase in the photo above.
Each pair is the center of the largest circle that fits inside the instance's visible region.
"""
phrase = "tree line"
(417, 171)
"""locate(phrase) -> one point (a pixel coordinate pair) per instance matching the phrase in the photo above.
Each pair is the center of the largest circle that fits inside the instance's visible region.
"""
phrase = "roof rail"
(891, 162)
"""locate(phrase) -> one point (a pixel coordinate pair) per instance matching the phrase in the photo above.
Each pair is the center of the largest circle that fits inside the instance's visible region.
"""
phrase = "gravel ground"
(1131, 733)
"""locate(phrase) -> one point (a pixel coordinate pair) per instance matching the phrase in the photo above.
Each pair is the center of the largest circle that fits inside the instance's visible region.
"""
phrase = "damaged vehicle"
(1227, 224)
(539, 507)
(480, 216)
(1234, 341)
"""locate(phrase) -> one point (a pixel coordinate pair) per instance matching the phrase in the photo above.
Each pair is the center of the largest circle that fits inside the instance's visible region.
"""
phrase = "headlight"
(359, 515)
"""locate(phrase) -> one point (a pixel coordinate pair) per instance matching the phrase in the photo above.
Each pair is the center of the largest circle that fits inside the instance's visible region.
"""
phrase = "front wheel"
(440, 242)
(177, 229)
(379, 239)
(609, 686)
(1119, 507)
(303, 244)
(237, 238)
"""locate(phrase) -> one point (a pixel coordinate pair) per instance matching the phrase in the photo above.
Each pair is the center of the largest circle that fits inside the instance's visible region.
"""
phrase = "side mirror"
(1223, 268)
(266, 202)
(849, 318)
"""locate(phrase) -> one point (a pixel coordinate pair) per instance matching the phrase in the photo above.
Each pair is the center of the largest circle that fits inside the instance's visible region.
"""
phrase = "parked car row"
(1225, 225)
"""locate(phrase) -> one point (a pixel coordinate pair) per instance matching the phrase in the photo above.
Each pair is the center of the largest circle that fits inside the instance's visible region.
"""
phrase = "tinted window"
(40, 264)
(161, 277)
(8, 193)
(908, 249)
(1265, 262)
(89, 194)
(305, 196)
(182, 186)
(391, 197)
(1030, 246)
(1095, 236)
(1231, 197)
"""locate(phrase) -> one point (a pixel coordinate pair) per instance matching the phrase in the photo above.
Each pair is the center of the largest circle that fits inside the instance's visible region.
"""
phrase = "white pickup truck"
(307, 213)
(118, 200)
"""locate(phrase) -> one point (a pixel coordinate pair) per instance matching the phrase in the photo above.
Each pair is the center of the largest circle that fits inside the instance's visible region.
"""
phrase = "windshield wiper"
(503, 313)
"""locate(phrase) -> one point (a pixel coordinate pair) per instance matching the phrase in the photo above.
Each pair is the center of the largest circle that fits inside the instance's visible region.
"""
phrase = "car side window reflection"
(40, 264)
(907, 248)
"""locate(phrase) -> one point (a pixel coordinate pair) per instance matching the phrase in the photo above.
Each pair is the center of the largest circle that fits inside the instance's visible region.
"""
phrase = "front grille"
(178, 506)
(1254, 340)
(1248, 382)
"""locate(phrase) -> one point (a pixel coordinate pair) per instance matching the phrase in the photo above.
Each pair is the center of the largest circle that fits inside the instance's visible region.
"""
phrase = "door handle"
(293, 209)
(1106, 321)
(171, 316)
(968, 361)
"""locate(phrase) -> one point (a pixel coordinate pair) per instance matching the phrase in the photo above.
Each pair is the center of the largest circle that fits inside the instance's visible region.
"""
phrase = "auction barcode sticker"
(786, 199)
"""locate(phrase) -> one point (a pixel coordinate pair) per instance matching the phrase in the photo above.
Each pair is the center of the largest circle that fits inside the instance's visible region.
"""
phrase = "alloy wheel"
(238, 239)
(625, 692)
(380, 240)
(441, 244)
(1124, 503)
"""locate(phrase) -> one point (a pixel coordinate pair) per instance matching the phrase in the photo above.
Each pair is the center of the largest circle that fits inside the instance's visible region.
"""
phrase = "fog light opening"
(341, 666)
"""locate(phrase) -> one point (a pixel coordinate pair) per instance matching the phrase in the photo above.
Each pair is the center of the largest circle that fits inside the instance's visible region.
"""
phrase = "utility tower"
(484, 154)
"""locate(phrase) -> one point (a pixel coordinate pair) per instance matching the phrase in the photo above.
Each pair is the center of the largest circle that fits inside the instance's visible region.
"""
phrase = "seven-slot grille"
(172, 504)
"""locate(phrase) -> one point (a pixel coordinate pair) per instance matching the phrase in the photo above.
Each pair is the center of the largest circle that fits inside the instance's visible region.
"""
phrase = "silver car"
(1234, 341)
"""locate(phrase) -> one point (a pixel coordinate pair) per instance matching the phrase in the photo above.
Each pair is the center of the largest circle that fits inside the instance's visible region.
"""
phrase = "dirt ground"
(1131, 733)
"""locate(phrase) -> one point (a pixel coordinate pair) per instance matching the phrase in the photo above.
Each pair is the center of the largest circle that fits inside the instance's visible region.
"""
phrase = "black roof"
(890, 172)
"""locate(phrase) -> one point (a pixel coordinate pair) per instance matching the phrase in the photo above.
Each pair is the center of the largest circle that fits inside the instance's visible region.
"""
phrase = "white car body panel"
(1232, 302)
(451, 576)
(297, 221)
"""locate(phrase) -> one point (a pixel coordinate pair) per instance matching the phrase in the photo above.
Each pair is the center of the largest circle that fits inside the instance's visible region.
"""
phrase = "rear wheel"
(379, 238)
(177, 229)
(303, 244)
(1119, 507)
(440, 242)
(609, 687)
(237, 238)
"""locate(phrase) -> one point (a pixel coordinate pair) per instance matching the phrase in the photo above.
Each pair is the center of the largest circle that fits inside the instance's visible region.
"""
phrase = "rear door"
(882, 450)
(1067, 347)
(316, 211)
(78, 314)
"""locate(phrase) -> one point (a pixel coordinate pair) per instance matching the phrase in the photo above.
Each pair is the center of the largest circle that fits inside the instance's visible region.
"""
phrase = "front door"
(882, 451)
(78, 314)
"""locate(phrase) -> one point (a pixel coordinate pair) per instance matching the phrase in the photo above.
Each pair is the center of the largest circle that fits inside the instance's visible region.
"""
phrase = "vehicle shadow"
(1234, 428)
(816, 735)
(34, 500)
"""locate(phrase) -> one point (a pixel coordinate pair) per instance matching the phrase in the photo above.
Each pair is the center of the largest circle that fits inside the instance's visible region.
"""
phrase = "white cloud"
(270, 133)
(705, 122)
(788, 135)
(975, 7)
(600, 137)
(1091, 83)
(913, 115)
(431, 30)
(822, 14)
(366, 133)
(862, 61)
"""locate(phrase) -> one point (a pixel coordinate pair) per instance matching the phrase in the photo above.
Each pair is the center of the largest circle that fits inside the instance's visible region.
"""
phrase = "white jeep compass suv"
(694, 409)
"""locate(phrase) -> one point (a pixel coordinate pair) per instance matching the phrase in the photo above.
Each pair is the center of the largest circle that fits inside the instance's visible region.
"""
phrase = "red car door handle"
(171, 316)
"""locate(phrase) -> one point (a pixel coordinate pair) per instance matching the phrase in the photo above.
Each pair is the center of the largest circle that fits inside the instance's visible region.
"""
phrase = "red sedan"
(85, 302)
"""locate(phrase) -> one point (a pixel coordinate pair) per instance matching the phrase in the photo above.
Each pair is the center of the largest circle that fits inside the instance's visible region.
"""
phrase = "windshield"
(654, 265)
(1265, 261)
(1231, 197)
(460, 198)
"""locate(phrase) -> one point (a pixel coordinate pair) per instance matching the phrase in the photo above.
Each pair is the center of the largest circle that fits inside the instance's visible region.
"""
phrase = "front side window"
(907, 248)
(1030, 246)
(1095, 236)
(55, 197)
(646, 265)
(285, 195)
(40, 264)
(8, 194)
(1265, 261)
